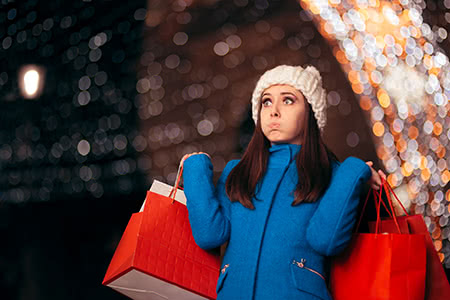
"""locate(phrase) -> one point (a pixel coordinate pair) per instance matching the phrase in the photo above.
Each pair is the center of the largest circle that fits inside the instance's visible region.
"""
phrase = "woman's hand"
(191, 154)
(375, 180)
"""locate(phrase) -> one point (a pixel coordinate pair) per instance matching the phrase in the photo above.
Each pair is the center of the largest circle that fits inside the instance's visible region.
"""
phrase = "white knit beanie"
(307, 80)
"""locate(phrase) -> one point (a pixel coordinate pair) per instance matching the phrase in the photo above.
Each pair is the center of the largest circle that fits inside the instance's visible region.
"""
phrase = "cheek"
(265, 120)
(263, 115)
(296, 124)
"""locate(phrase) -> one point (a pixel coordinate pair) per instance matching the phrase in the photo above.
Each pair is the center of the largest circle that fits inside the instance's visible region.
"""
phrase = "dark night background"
(59, 226)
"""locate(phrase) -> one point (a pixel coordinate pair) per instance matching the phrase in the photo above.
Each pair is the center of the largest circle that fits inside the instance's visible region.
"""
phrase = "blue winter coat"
(277, 250)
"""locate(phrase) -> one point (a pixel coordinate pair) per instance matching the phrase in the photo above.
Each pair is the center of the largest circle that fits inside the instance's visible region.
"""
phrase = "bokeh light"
(31, 81)
(392, 57)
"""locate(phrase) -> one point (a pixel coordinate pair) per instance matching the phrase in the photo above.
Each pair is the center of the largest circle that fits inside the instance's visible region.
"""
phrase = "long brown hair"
(314, 165)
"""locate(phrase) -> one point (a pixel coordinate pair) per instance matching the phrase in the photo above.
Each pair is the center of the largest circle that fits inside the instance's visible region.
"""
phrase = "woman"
(287, 204)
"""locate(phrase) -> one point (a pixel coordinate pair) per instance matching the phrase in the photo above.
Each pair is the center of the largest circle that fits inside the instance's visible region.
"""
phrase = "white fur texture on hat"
(307, 80)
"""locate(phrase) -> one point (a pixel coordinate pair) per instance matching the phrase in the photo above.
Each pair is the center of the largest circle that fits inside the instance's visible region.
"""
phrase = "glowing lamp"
(31, 81)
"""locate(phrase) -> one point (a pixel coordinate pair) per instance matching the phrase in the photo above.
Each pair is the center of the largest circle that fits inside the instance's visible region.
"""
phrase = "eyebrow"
(284, 93)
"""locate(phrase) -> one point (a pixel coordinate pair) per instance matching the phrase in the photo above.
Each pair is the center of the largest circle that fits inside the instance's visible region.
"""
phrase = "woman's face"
(282, 113)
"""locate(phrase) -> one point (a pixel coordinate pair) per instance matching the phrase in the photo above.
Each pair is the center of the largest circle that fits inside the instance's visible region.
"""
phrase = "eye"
(288, 100)
(266, 102)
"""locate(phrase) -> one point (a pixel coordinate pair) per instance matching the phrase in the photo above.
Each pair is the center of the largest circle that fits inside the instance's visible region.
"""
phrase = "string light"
(408, 96)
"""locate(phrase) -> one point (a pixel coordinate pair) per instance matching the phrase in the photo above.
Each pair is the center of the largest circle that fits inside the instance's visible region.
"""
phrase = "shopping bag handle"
(386, 185)
(173, 192)
(388, 189)
(179, 174)
(382, 202)
(375, 196)
(378, 201)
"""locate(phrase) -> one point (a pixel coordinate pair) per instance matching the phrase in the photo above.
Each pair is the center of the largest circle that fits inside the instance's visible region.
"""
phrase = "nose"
(275, 112)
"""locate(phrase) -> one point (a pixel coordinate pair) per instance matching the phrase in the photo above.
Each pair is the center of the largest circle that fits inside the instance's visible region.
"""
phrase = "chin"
(284, 141)
(276, 141)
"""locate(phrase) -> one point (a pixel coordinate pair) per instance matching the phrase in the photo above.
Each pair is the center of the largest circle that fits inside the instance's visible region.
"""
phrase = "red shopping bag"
(157, 257)
(437, 286)
(380, 266)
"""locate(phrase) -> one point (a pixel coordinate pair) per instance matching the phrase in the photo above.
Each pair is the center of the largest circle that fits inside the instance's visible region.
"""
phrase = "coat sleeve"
(208, 206)
(330, 228)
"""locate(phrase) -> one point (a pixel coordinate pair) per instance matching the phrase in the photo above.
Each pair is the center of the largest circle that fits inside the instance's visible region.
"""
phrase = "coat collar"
(281, 155)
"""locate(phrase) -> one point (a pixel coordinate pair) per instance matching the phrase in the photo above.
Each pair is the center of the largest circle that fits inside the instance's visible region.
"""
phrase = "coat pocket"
(308, 280)
(222, 276)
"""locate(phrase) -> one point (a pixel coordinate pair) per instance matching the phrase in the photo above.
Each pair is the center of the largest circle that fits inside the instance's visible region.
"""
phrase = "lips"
(274, 125)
